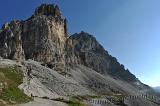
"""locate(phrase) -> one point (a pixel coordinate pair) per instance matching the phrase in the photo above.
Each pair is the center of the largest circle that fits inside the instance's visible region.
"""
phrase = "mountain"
(157, 89)
(55, 64)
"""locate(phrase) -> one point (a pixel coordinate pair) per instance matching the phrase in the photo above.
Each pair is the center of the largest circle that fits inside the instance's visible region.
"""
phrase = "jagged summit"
(45, 39)
(82, 34)
(87, 42)
(41, 37)
(48, 10)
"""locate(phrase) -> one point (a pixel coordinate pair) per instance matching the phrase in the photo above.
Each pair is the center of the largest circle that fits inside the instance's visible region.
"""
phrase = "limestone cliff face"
(44, 38)
(11, 41)
(41, 37)
(63, 65)
(91, 54)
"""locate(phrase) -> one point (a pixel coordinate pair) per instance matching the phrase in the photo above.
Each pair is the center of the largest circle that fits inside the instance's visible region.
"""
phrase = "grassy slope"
(10, 78)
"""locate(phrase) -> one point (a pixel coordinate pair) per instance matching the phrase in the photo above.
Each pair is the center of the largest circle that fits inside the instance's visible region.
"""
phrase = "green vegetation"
(79, 100)
(85, 97)
(76, 100)
(71, 102)
(10, 79)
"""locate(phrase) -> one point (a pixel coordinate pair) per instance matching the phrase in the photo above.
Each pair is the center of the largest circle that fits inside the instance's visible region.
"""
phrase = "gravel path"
(43, 102)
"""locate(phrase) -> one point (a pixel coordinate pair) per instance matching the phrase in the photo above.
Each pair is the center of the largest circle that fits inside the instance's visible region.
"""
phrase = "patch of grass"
(85, 97)
(74, 102)
(13, 75)
(10, 79)
(78, 100)
(14, 94)
(71, 102)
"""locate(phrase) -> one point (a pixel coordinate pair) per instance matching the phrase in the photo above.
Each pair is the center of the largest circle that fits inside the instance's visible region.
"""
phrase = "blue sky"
(128, 29)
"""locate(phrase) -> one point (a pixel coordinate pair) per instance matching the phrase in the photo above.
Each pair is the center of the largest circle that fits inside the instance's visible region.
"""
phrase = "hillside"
(157, 89)
(66, 68)
(10, 79)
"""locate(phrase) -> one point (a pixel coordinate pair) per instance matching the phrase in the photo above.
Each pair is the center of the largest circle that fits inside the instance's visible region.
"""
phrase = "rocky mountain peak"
(83, 35)
(44, 38)
(87, 42)
(48, 10)
(41, 37)
(62, 65)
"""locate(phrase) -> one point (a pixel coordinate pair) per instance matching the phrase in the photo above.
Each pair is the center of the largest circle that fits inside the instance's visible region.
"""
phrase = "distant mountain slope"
(93, 55)
(157, 89)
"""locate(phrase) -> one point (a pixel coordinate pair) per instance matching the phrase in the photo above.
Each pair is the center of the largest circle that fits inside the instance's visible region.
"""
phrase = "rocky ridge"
(60, 65)
(44, 38)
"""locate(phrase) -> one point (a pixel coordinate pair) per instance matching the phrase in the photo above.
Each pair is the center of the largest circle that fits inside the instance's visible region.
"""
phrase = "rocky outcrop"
(45, 82)
(41, 37)
(44, 38)
(91, 54)
(157, 89)
(48, 9)
(56, 65)
(11, 41)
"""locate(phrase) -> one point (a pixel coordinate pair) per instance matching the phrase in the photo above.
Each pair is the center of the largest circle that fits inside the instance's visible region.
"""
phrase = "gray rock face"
(40, 81)
(11, 41)
(88, 52)
(91, 54)
(157, 89)
(41, 37)
(44, 82)
(44, 38)
(48, 9)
